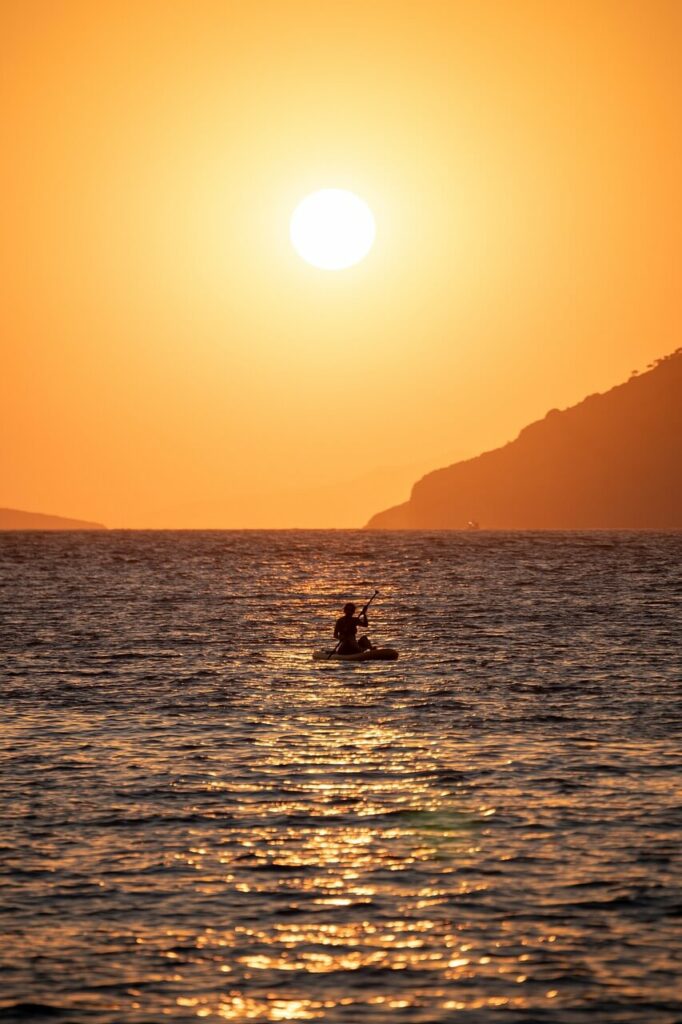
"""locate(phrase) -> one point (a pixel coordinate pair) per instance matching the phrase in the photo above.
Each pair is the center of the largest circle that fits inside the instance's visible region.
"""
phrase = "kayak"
(375, 654)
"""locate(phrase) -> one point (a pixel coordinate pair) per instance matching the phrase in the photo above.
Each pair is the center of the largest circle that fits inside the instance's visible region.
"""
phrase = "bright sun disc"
(332, 229)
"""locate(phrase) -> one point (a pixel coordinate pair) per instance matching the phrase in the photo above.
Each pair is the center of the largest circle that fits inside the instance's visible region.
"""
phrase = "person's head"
(349, 608)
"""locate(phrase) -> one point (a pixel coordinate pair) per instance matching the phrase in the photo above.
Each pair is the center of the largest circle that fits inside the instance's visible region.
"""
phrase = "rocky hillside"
(614, 461)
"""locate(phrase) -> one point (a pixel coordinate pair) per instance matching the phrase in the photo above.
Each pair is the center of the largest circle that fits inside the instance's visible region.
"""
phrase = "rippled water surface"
(202, 823)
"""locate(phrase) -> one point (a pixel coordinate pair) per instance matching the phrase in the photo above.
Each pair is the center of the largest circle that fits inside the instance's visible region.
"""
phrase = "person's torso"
(347, 627)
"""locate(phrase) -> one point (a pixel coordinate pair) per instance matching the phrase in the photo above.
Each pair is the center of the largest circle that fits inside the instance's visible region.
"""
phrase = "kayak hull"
(375, 654)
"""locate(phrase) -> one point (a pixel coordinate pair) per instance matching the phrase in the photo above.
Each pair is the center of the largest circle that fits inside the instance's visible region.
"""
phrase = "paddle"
(363, 612)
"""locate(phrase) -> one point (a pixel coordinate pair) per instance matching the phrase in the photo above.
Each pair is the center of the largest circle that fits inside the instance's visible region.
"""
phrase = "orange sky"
(168, 360)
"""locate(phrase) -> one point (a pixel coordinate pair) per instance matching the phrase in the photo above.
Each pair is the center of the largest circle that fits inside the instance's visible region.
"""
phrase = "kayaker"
(346, 629)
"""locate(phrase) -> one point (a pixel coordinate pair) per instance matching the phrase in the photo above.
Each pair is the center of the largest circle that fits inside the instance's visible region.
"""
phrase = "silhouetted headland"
(14, 519)
(614, 461)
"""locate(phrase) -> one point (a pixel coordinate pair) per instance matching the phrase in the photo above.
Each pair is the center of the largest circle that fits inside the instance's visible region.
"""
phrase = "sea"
(200, 822)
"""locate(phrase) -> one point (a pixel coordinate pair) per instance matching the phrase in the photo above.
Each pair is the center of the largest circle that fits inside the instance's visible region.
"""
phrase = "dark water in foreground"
(202, 823)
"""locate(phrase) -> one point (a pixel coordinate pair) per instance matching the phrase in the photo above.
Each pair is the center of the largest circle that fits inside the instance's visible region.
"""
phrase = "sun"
(332, 229)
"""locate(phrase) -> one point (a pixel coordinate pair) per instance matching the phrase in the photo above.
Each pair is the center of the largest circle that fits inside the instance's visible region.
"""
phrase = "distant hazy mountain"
(342, 504)
(614, 461)
(13, 519)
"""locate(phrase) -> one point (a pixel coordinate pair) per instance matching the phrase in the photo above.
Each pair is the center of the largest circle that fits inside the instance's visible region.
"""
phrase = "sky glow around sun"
(332, 229)
(164, 318)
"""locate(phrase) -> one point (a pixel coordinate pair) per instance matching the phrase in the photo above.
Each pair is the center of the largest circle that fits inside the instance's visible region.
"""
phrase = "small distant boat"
(473, 525)
(374, 654)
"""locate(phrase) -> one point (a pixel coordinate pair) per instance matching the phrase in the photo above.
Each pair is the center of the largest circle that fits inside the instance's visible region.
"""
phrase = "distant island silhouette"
(14, 519)
(614, 461)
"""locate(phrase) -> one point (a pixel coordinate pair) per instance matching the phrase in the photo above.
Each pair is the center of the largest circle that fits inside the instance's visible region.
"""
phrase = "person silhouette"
(346, 628)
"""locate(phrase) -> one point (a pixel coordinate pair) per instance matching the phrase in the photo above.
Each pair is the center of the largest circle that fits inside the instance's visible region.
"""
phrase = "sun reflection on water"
(363, 870)
(347, 822)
